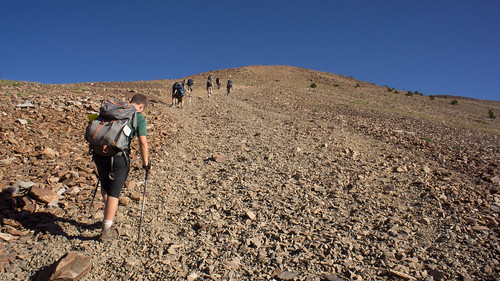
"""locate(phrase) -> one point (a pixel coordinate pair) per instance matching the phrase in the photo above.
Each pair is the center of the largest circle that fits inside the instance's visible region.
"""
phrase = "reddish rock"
(11, 222)
(44, 195)
(130, 184)
(72, 191)
(50, 153)
(11, 230)
(7, 257)
(125, 201)
(7, 237)
(495, 179)
(221, 157)
(135, 196)
(70, 267)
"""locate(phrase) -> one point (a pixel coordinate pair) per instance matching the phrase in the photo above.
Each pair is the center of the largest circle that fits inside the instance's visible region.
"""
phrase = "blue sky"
(434, 47)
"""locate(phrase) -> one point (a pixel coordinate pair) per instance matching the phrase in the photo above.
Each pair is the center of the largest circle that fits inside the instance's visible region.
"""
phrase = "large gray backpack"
(110, 133)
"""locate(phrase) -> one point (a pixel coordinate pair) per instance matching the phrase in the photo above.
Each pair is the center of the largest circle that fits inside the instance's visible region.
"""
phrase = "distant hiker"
(190, 84)
(113, 163)
(217, 81)
(184, 84)
(179, 94)
(229, 86)
(174, 88)
(210, 85)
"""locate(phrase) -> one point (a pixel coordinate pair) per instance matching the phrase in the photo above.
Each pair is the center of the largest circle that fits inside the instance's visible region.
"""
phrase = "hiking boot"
(108, 234)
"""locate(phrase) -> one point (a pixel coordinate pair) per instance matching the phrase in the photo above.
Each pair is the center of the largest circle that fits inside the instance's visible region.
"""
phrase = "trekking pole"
(143, 205)
(93, 197)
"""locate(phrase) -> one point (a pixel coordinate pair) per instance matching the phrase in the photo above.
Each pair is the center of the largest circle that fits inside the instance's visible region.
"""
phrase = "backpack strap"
(134, 121)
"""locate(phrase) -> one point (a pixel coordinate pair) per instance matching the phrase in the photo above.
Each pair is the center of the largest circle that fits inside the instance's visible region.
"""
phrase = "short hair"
(140, 99)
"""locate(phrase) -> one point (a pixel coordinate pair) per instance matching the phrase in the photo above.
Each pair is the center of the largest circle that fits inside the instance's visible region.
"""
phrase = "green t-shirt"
(141, 126)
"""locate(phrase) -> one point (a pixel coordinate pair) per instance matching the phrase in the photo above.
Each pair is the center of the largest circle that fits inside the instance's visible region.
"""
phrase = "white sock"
(106, 224)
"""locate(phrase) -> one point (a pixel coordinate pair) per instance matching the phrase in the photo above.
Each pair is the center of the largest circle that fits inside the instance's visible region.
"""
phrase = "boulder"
(70, 267)
(45, 195)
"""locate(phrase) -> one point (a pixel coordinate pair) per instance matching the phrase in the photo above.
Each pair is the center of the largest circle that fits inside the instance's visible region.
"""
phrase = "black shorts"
(113, 186)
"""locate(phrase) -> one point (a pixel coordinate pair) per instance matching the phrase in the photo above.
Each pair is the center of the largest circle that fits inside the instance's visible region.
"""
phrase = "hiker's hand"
(147, 167)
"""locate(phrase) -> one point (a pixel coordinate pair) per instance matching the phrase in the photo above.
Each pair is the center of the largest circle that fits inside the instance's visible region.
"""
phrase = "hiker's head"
(140, 102)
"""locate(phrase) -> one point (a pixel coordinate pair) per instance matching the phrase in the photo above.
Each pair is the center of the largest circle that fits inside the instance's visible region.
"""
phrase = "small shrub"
(396, 91)
(313, 85)
(454, 102)
(429, 140)
(431, 97)
(4, 82)
(389, 90)
(336, 85)
(409, 93)
(491, 114)
(357, 85)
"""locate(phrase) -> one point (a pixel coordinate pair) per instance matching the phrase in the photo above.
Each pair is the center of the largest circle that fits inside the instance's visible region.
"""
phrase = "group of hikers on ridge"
(183, 89)
(210, 85)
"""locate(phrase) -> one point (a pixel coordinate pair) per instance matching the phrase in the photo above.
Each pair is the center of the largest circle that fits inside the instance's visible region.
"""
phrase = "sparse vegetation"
(410, 93)
(491, 114)
(20, 94)
(429, 140)
(336, 85)
(454, 102)
(392, 90)
(431, 97)
(9, 83)
(357, 85)
(313, 85)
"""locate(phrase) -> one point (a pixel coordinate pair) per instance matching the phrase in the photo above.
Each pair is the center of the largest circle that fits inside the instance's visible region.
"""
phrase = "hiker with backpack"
(184, 84)
(174, 98)
(179, 94)
(109, 137)
(217, 81)
(190, 84)
(229, 86)
(210, 85)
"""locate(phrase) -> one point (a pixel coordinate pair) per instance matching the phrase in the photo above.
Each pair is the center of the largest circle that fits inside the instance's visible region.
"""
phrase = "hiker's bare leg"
(110, 207)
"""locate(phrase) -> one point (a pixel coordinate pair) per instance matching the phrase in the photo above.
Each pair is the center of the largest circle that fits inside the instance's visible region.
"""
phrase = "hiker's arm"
(143, 148)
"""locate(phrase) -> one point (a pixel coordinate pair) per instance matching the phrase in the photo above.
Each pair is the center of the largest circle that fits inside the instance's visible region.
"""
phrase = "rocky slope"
(279, 181)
